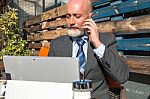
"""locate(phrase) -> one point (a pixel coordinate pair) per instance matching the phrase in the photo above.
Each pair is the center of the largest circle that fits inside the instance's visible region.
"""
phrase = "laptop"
(47, 69)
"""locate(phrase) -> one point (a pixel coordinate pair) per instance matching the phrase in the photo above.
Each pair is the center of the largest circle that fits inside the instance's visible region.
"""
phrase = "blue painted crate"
(136, 44)
(114, 10)
(101, 3)
(121, 8)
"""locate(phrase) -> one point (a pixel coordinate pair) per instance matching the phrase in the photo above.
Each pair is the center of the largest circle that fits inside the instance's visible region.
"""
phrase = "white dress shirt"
(98, 51)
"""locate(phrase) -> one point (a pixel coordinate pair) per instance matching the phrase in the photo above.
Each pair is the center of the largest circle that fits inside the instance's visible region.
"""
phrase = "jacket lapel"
(68, 47)
(90, 57)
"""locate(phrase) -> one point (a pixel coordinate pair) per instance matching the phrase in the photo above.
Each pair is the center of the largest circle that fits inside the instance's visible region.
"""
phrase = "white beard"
(75, 33)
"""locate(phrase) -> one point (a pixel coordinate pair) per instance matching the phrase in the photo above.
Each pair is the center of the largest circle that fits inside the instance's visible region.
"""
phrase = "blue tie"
(80, 53)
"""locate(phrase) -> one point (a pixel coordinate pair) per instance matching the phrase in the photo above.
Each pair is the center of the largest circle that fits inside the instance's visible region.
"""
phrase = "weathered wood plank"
(136, 44)
(38, 45)
(33, 28)
(35, 53)
(121, 8)
(33, 20)
(57, 23)
(134, 24)
(46, 25)
(54, 13)
(139, 63)
(97, 3)
(34, 45)
(48, 35)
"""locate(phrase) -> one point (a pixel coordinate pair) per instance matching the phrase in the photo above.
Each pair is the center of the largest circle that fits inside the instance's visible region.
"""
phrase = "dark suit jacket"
(110, 63)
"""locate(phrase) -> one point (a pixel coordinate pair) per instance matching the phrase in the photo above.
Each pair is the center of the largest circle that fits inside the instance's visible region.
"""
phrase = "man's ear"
(90, 15)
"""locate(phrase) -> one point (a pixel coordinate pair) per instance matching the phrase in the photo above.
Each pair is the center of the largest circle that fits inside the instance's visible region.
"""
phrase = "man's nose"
(72, 21)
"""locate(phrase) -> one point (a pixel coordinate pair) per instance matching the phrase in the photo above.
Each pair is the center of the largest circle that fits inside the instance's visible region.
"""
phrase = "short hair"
(90, 4)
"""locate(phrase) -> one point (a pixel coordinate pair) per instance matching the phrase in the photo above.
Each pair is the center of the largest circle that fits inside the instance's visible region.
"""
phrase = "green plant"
(14, 44)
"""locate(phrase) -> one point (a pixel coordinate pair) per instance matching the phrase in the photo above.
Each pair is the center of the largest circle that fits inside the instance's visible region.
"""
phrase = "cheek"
(80, 22)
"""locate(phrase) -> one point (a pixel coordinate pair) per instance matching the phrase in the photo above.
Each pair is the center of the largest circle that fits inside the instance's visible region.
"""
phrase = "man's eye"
(78, 16)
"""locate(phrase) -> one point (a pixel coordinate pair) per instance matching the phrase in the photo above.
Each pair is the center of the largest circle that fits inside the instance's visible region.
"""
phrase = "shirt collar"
(84, 37)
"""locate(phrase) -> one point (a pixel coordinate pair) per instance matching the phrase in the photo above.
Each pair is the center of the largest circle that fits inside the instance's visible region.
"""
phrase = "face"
(76, 14)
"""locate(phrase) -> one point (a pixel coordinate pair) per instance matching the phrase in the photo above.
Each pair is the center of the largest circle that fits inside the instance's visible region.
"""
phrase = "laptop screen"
(35, 68)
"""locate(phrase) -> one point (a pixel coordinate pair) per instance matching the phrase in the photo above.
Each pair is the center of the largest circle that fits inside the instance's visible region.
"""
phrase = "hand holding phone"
(92, 30)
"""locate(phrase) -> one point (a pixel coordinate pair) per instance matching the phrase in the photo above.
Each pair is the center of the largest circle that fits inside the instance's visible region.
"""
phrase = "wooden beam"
(133, 24)
(134, 44)
(51, 14)
(33, 28)
(38, 45)
(120, 8)
(140, 64)
(35, 53)
(48, 35)
(46, 25)
(35, 45)
(33, 20)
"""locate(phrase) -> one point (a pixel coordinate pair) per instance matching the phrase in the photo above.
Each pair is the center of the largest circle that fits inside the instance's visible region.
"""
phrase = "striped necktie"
(80, 53)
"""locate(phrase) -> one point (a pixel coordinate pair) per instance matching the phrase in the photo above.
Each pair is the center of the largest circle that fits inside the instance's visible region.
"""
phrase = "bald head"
(81, 4)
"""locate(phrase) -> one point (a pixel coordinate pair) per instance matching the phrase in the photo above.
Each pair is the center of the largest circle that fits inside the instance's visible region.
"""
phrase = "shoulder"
(61, 38)
(107, 38)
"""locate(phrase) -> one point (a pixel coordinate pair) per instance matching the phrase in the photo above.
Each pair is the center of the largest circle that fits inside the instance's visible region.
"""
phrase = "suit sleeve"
(113, 64)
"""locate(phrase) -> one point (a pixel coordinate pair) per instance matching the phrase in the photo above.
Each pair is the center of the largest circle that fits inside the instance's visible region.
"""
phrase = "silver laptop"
(35, 68)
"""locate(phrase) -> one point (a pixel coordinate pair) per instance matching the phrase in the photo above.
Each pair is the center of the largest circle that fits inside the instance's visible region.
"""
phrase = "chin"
(75, 33)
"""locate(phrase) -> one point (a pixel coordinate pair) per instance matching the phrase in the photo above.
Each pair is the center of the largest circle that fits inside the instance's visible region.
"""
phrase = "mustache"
(70, 27)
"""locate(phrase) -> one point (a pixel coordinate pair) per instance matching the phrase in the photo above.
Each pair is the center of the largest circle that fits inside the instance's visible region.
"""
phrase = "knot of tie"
(80, 42)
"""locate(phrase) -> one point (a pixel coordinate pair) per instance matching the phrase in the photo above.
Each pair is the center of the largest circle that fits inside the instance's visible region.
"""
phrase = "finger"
(89, 24)
(90, 20)
(88, 28)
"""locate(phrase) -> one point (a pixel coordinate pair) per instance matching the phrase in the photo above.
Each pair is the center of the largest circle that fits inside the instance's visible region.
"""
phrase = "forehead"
(75, 8)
